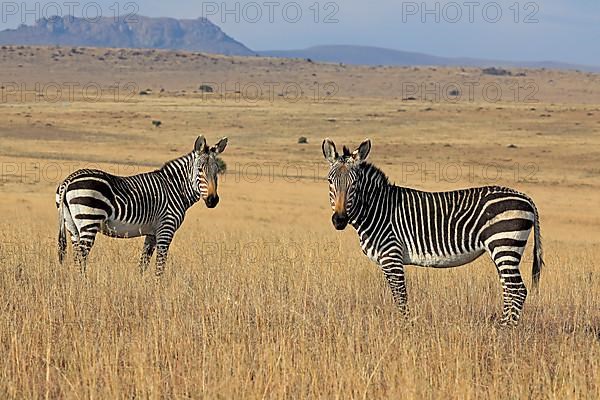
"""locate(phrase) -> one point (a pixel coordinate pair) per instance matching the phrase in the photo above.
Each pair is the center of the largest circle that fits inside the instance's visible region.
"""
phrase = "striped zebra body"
(400, 226)
(151, 204)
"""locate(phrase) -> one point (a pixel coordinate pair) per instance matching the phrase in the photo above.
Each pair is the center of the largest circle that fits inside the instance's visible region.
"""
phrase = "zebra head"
(342, 176)
(206, 169)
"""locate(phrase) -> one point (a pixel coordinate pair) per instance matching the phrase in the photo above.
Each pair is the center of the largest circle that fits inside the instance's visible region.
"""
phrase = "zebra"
(151, 204)
(400, 226)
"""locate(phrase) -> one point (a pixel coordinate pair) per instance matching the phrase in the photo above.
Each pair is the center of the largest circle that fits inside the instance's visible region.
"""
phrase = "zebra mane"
(177, 161)
(372, 172)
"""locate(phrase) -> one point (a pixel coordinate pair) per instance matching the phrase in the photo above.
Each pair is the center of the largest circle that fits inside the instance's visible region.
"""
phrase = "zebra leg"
(161, 258)
(85, 244)
(519, 294)
(66, 225)
(75, 244)
(163, 241)
(513, 289)
(394, 274)
(506, 301)
(82, 252)
(148, 250)
(514, 295)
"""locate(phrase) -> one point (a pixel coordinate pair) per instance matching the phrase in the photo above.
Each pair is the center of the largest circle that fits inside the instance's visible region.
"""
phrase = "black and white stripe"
(398, 226)
(151, 204)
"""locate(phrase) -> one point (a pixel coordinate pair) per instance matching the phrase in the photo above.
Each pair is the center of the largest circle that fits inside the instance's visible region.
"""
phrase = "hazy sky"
(559, 30)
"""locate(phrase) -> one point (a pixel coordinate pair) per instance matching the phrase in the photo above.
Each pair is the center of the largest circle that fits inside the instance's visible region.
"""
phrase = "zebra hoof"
(508, 323)
(405, 315)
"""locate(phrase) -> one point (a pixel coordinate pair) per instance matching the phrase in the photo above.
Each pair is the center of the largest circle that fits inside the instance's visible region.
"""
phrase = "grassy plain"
(262, 297)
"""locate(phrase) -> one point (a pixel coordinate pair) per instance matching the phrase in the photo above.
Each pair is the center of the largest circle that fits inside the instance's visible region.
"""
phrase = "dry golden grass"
(262, 297)
(290, 319)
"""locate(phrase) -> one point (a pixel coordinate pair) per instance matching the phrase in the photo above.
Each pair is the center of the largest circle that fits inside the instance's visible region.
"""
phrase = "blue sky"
(567, 30)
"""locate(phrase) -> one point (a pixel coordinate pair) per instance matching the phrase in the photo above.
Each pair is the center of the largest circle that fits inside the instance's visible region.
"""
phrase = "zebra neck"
(366, 202)
(180, 175)
(371, 190)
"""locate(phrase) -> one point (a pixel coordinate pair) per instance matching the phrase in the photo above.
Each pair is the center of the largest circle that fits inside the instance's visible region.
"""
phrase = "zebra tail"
(538, 261)
(62, 234)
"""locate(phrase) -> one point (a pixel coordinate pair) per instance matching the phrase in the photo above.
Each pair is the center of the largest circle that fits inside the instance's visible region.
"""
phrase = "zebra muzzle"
(339, 221)
(212, 200)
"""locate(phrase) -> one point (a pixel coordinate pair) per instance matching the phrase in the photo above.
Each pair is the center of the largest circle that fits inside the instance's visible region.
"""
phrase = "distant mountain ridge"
(202, 35)
(368, 55)
(145, 32)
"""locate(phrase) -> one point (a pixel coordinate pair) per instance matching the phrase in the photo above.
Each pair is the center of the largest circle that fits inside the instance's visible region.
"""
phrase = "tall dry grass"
(262, 298)
(285, 315)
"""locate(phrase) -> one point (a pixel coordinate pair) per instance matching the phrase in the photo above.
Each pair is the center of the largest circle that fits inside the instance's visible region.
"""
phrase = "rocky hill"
(143, 32)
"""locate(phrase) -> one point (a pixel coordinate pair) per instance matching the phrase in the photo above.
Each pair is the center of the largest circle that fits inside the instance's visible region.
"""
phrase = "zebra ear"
(220, 147)
(329, 150)
(362, 152)
(200, 145)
